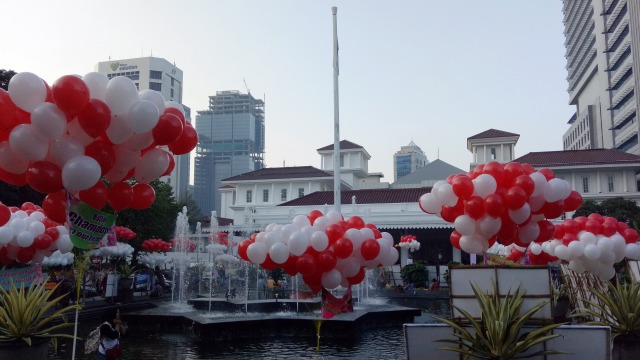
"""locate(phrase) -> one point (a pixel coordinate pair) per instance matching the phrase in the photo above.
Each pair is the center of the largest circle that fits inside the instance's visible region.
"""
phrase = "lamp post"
(438, 266)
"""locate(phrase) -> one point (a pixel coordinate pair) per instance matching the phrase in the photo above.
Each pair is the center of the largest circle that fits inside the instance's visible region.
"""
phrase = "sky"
(429, 71)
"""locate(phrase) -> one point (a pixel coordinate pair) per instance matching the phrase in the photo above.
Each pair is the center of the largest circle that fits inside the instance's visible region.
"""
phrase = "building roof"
(578, 157)
(492, 133)
(344, 145)
(435, 170)
(366, 196)
(290, 172)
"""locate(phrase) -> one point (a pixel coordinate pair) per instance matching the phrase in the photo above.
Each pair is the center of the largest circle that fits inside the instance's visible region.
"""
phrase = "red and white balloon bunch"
(509, 203)
(409, 242)
(81, 129)
(156, 245)
(27, 235)
(326, 250)
(155, 252)
(592, 244)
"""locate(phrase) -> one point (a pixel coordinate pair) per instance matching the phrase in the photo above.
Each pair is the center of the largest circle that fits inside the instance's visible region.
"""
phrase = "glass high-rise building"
(409, 159)
(602, 40)
(230, 142)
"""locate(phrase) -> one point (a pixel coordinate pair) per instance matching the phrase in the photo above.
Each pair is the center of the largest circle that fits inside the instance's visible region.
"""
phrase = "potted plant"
(29, 321)
(560, 302)
(499, 334)
(415, 273)
(617, 306)
(125, 282)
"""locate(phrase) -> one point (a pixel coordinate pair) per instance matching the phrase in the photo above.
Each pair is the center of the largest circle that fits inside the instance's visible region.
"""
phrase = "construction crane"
(246, 87)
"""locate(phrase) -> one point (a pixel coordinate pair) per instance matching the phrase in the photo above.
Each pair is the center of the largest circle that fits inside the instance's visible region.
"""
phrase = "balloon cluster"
(58, 259)
(592, 244)
(27, 235)
(326, 250)
(124, 233)
(214, 248)
(409, 242)
(119, 250)
(510, 203)
(155, 245)
(152, 259)
(227, 259)
(81, 129)
(181, 244)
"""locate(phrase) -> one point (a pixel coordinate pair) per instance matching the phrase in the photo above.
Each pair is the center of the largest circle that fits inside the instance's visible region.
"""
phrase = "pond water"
(374, 344)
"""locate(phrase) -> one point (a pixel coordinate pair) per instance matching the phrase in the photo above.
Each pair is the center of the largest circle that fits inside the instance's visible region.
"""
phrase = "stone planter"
(560, 308)
(125, 289)
(19, 350)
(626, 347)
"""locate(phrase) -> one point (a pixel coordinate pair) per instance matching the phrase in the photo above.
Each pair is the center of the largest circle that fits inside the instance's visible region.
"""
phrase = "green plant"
(26, 314)
(559, 292)
(126, 270)
(415, 273)
(496, 335)
(617, 306)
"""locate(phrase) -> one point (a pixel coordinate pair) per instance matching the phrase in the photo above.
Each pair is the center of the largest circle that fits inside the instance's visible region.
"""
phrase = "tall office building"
(603, 62)
(409, 159)
(230, 142)
(160, 75)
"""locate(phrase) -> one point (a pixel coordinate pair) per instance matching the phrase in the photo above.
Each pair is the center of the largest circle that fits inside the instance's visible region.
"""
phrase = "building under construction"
(230, 142)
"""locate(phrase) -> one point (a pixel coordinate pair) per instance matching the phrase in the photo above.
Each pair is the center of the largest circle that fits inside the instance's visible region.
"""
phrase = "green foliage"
(126, 270)
(617, 307)
(415, 273)
(30, 313)
(5, 76)
(496, 335)
(156, 222)
(623, 210)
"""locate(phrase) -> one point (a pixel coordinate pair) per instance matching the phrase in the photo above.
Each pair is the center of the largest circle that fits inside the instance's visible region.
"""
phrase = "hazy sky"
(435, 72)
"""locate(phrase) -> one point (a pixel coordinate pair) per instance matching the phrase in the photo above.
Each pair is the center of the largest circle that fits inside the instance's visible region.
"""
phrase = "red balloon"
(343, 224)
(70, 94)
(313, 215)
(143, 196)
(494, 205)
(44, 176)
(608, 228)
(357, 278)
(55, 206)
(334, 232)
(596, 217)
(356, 222)
(291, 265)
(547, 229)
(102, 151)
(8, 117)
(120, 196)
(548, 173)
(515, 198)
(507, 233)
(528, 169)
(463, 187)
(95, 196)
(630, 236)
(568, 238)
(13, 179)
(593, 226)
(172, 165)
(176, 112)
(326, 261)
(474, 207)
(496, 170)
(525, 182)
(343, 248)
(571, 226)
(558, 232)
(25, 255)
(95, 118)
(455, 239)
(50, 224)
(187, 141)
(622, 226)
(449, 214)
(477, 171)
(306, 265)
(42, 241)
(268, 264)
(573, 201)
(5, 214)
(553, 210)
(168, 130)
(369, 249)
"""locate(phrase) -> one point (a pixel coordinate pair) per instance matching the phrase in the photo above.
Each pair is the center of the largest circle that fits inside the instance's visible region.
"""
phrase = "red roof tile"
(578, 157)
(492, 133)
(368, 196)
(291, 172)
(344, 145)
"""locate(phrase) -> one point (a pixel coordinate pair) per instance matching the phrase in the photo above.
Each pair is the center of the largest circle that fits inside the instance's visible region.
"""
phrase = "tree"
(156, 222)
(624, 210)
(5, 76)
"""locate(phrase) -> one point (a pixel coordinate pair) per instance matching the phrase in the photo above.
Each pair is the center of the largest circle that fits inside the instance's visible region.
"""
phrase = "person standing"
(110, 332)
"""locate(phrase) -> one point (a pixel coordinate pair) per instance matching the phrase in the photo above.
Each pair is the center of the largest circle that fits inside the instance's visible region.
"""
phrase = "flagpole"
(336, 116)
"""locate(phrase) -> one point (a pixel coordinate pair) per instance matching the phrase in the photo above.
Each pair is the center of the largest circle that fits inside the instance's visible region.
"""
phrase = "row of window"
(610, 184)
(265, 195)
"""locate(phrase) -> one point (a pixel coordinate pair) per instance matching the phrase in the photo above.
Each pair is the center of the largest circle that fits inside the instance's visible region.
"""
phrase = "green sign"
(87, 226)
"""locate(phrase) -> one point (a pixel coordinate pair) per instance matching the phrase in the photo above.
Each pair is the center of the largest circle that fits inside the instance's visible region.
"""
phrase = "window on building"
(157, 75)
(155, 86)
(172, 80)
(172, 93)
(283, 195)
(585, 185)
(249, 196)
(265, 195)
(300, 192)
(493, 153)
(341, 160)
(610, 185)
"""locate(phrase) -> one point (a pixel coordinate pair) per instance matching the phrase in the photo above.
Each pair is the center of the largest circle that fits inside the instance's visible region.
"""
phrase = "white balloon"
(446, 195)
(279, 253)
(153, 96)
(298, 243)
(520, 215)
(11, 161)
(489, 226)
(27, 91)
(591, 252)
(36, 228)
(28, 142)
(555, 190)
(301, 221)
(257, 253)
(6, 234)
(319, 241)
(587, 238)
(484, 185)
(430, 204)
(391, 257)
(97, 84)
(173, 104)
(321, 223)
(535, 249)
(49, 120)
(64, 244)
(65, 148)
(367, 233)
(151, 165)
(529, 232)
(80, 173)
(144, 116)
(348, 267)
(17, 225)
(334, 216)
(25, 239)
(75, 130)
(562, 252)
(121, 93)
(465, 225)
(539, 181)
(576, 249)
(331, 279)
(472, 244)
(289, 229)
(120, 128)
